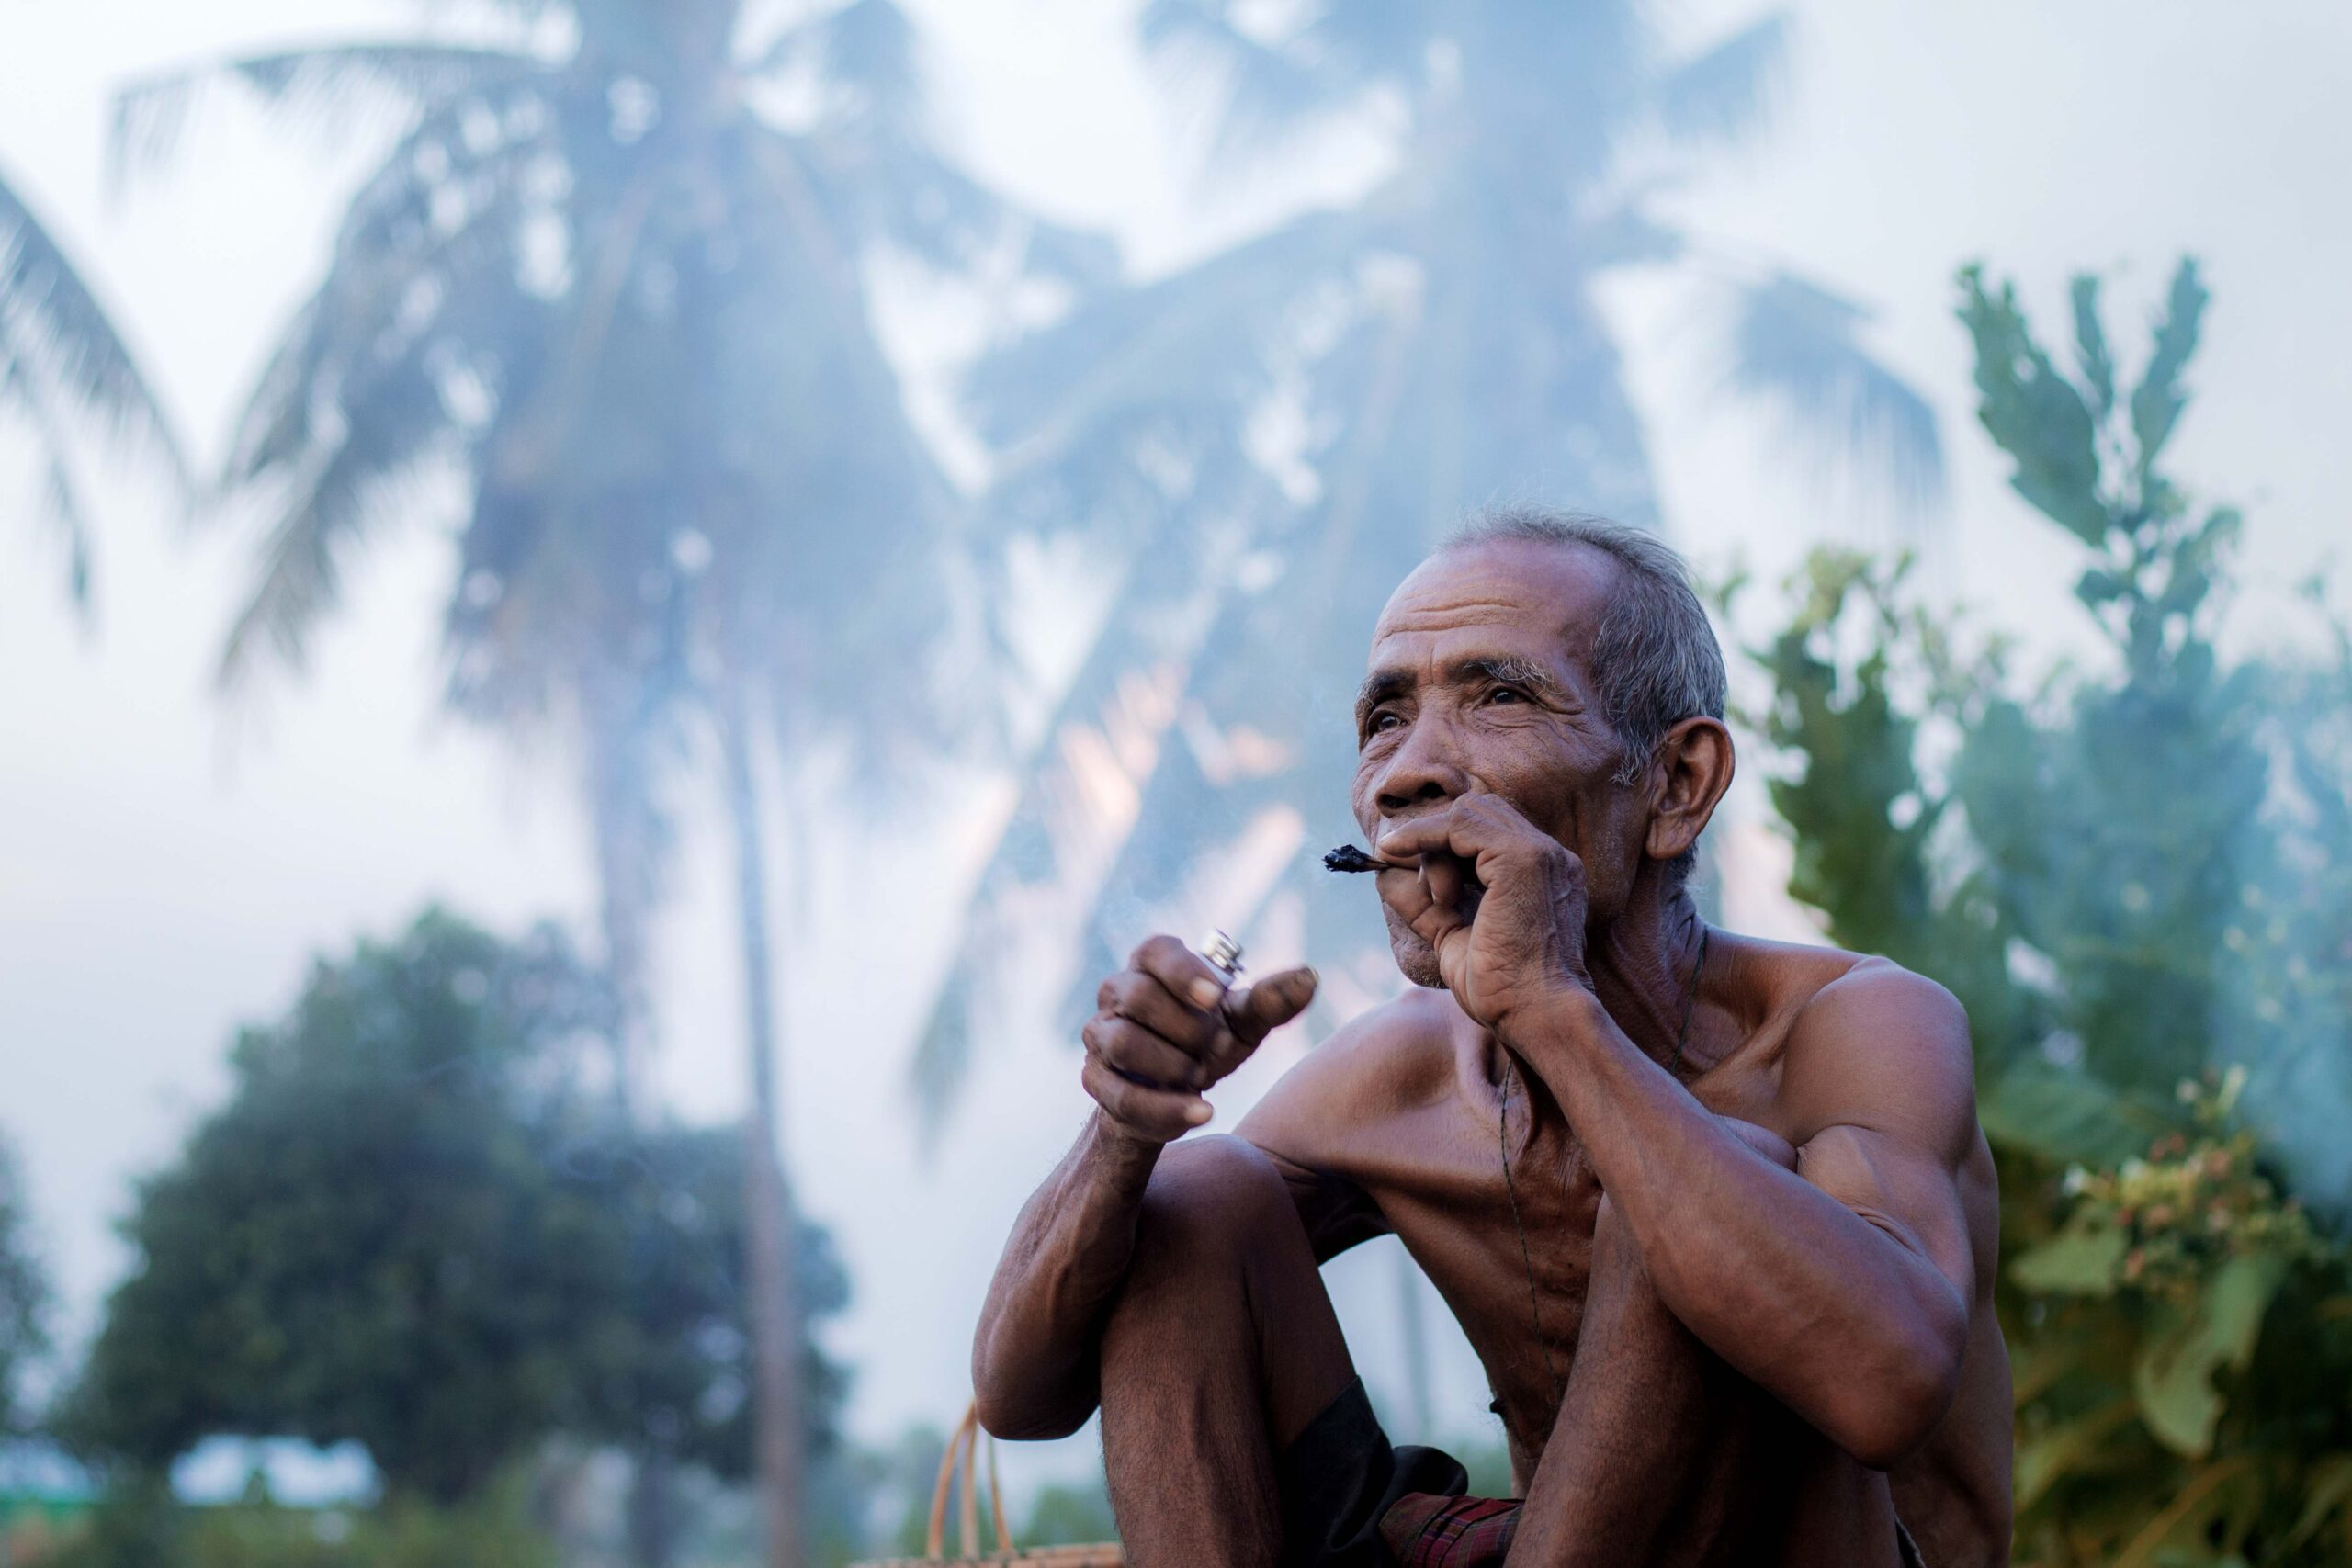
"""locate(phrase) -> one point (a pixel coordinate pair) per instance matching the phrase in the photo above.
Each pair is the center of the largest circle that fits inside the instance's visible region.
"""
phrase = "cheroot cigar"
(1347, 857)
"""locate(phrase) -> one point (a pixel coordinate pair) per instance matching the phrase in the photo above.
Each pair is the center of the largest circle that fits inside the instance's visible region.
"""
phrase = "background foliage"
(417, 1224)
(24, 1297)
(2132, 873)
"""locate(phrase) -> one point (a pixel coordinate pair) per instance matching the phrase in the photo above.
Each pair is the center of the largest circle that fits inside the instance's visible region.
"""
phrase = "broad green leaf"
(2064, 1116)
(2191, 1506)
(2157, 402)
(2097, 586)
(2090, 345)
(2033, 413)
(2044, 1457)
(2039, 1361)
(2174, 1377)
(2327, 1487)
(2084, 1259)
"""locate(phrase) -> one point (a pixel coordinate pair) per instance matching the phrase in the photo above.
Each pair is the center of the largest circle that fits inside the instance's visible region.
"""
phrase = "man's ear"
(1687, 776)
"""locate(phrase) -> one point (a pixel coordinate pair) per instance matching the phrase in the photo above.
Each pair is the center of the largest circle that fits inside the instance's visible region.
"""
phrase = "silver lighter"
(1224, 955)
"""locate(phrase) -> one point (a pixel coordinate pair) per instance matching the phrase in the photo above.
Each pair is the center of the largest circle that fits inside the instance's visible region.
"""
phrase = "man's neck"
(1644, 964)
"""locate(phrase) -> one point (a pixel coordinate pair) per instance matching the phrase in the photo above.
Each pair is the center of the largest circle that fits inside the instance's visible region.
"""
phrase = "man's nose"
(1421, 769)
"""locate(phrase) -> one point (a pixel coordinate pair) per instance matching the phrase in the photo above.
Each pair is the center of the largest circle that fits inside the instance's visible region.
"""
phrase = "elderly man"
(1714, 1211)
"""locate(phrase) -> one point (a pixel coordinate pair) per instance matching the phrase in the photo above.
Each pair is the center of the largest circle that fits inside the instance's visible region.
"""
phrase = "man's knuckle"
(1123, 993)
(1158, 952)
(1126, 1048)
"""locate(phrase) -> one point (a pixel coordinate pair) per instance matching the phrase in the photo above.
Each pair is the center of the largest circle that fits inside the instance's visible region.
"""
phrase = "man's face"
(1479, 678)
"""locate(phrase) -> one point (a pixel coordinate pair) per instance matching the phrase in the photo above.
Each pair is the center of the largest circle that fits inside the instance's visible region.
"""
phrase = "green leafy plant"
(2135, 876)
(24, 1297)
(414, 1226)
(146, 1527)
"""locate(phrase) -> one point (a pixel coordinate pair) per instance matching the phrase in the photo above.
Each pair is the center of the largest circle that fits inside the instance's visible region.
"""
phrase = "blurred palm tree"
(62, 358)
(1256, 449)
(609, 272)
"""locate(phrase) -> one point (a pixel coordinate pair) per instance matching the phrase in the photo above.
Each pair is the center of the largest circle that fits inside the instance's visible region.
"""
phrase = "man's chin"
(1415, 958)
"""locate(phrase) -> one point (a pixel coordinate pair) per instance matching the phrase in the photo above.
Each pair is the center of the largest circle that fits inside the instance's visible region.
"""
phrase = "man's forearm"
(1849, 1328)
(1033, 1357)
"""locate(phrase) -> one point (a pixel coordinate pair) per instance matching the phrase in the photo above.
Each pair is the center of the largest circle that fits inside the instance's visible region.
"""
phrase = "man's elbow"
(1888, 1410)
(1016, 1409)
(1015, 1420)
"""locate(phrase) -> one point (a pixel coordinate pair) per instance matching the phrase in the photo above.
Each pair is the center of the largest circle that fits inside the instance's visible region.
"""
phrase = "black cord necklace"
(1510, 1187)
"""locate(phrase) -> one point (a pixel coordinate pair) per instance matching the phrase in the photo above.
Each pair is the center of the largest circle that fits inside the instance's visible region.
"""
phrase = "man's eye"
(1506, 693)
(1381, 722)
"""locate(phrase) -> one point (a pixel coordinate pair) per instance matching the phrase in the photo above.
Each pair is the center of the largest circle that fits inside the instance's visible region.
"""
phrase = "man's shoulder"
(1388, 1057)
(1816, 987)
(1873, 1038)
(1861, 991)
(1388, 1048)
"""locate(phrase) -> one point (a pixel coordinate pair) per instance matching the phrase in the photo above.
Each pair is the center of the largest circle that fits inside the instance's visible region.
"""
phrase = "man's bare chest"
(1495, 1197)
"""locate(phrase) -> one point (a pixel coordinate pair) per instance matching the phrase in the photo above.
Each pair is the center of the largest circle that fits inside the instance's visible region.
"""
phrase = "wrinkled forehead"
(1524, 596)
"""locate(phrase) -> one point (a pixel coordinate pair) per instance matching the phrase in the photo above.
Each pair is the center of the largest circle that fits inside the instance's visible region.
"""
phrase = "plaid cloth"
(1423, 1531)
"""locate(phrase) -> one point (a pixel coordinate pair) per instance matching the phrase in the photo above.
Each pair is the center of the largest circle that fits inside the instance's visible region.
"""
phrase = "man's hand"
(1166, 1028)
(1500, 900)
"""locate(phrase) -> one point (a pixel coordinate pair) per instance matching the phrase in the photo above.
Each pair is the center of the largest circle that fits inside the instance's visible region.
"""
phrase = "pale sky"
(167, 867)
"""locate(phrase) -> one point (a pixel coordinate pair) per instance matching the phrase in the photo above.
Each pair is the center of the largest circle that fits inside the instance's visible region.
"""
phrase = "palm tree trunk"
(778, 1411)
(650, 1516)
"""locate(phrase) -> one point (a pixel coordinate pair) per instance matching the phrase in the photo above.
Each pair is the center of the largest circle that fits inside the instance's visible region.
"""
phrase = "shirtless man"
(1715, 1212)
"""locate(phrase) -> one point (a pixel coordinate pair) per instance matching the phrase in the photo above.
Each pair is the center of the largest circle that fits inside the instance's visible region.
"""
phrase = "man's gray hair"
(1654, 659)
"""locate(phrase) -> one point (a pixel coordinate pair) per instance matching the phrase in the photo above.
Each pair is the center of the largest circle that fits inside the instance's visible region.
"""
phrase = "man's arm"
(1842, 1280)
(1343, 1085)
(1165, 1029)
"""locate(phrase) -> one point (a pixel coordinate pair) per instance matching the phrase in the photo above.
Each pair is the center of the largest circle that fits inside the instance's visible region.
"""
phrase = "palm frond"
(1725, 93)
(1796, 346)
(391, 421)
(1102, 740)
(1198, 339)
(64, 337)
(1374, 40)
(893, 191)
(333, 89)
(865, 53)
(406, 236)
(1266, 94)
(62, 501)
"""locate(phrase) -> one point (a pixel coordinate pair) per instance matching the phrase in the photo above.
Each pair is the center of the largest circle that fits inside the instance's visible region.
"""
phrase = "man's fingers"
(1176, 998)
(1409, 897)
(1146, 1000)
(1135, 1051)
(1256, 1010)
(1185, 972)
(1160, 1114)
(1458, 830)
(1253, 1011)
(1446, 876)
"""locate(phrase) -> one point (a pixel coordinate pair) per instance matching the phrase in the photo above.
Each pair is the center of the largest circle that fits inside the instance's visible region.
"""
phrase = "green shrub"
(2138, 877)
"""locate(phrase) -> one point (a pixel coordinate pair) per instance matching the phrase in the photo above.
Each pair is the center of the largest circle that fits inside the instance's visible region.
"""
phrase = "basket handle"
(962, 1450)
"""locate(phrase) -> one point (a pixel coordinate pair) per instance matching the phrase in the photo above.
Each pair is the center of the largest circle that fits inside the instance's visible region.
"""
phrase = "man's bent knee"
(1216, 1196)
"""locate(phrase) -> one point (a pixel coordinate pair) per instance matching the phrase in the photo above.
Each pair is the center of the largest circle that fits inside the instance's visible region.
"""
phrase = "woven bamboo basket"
(960, 1462)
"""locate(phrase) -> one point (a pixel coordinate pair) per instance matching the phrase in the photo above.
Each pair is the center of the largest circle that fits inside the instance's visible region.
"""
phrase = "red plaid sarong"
(1423, 1531)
